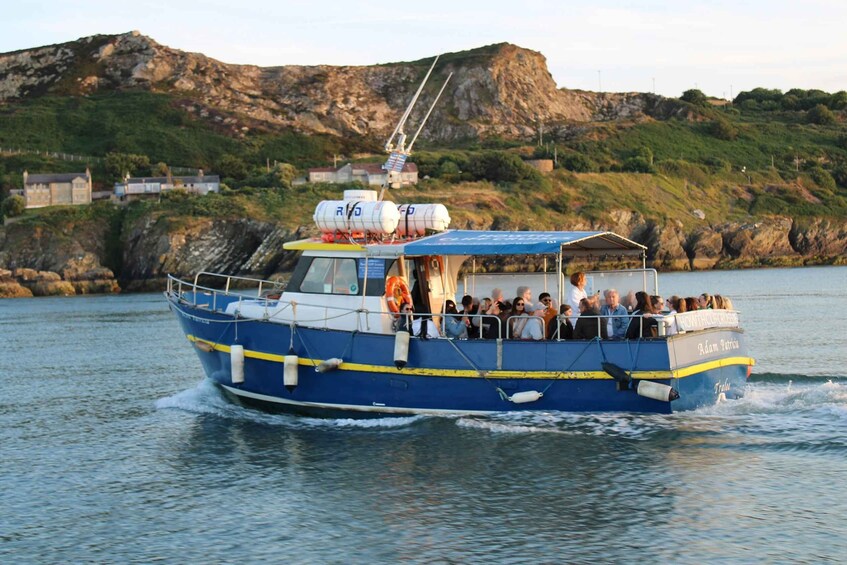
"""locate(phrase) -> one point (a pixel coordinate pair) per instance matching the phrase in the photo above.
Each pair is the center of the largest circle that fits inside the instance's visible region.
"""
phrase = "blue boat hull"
(460, 377)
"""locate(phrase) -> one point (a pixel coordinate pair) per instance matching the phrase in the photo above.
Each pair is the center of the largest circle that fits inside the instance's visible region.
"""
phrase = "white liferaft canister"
(416, 219)
(333, 216)
(361, 195)
(236, 361)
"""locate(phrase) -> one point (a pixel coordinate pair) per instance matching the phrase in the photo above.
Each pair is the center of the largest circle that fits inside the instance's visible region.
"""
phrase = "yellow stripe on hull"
(468, 373)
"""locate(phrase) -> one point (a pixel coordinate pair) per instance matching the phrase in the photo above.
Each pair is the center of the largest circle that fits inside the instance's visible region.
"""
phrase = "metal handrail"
(177, 288)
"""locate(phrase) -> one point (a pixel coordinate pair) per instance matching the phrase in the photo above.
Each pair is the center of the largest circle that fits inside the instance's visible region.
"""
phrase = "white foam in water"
(827, 399)
(208, 398)
(634, 426)
(771, 398)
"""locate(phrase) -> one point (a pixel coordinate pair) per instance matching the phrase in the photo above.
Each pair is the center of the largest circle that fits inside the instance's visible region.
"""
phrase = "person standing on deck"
(577, 293)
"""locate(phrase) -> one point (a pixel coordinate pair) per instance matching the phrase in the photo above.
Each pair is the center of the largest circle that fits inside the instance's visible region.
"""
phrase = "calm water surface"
(113, 448)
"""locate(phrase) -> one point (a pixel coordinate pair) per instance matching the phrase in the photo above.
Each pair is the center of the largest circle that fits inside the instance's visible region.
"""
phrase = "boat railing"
(262, 284)
(268, 305)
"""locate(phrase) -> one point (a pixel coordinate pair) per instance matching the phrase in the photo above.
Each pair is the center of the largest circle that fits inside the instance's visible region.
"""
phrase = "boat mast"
(395, 146)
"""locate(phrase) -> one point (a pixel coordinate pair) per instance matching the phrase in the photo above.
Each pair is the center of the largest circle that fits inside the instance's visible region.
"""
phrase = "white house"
(134, 187)
(367, 173)
(57, 189)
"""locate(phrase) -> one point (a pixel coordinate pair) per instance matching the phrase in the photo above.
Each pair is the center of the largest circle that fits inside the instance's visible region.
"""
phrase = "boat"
(328, 342)
(326, 345)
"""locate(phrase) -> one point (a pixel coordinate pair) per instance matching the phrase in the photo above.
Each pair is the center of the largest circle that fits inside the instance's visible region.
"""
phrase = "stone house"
(369, 174)
(57, 189)
(137, 187)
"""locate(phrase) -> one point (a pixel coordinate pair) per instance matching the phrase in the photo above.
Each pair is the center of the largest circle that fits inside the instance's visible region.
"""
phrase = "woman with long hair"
(516, 322)
(642, 324)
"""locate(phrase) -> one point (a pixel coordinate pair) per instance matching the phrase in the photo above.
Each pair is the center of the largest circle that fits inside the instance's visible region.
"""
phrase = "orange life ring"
(396, 293)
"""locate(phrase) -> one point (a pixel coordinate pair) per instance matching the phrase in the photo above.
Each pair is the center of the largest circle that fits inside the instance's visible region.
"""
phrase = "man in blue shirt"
(617, 316)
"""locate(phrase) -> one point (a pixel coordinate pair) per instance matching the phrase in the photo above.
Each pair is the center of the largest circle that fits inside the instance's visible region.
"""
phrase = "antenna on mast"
(398, 152)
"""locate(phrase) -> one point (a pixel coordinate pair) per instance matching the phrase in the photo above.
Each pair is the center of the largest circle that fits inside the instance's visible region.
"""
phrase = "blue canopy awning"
(574, 243)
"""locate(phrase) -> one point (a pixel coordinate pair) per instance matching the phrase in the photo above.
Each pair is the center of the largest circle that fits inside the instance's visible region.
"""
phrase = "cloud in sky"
(714, 46)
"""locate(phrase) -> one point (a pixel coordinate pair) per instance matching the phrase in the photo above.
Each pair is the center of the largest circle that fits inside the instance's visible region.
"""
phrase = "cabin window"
(327, 275)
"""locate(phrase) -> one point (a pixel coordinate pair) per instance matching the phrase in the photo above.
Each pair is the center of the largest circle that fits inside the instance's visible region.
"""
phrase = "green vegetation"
(766, 153)
(13, 206)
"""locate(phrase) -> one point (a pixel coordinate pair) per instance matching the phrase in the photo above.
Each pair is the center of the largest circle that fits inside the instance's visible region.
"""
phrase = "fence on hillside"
(81, 158)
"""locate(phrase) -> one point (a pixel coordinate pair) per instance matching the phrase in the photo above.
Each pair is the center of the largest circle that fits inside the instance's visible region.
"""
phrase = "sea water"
(114, 448)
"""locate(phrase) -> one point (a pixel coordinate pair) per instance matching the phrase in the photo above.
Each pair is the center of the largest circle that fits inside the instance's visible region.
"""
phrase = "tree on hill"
(120, 164)
(13, 206)
(821, 115)
(694, 96)
(499, 166)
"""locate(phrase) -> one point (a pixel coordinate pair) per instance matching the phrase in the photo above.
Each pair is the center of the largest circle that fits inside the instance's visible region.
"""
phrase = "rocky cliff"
(70, 258)
(498, 90)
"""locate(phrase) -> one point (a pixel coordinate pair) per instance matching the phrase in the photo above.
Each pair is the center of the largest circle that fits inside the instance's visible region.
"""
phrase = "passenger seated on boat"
(589, 324)
(404, 319)
(525, 293)
(517, 318)
(642, 323)
(616, 315)
(545, 308)
(453, 325)
(425, 327)
(678, 306)
(498, 328)
(727, 303)
(628, 301)
(670, 304)
(533, 329)
(496, 295)
(706, 301)
(470, 311)
(561, 327)
(692, 304)
(657, 303)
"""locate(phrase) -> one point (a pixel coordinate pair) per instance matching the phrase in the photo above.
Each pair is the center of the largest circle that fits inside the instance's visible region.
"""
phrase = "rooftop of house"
(47, 178)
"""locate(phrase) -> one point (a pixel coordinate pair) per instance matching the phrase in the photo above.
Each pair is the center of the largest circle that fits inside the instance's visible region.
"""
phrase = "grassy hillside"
(768, 154)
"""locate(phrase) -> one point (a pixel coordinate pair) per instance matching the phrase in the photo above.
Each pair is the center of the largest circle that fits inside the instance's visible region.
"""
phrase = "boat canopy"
(475, 242)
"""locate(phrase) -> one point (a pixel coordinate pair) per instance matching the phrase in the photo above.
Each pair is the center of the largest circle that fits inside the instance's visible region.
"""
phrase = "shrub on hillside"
(694, 96)
(722, 129)
(820, 115)
(838, 101)
(232, 167)
(499, 166)
(839, 174)
(637, 165)
(717, 165)
(13, 206)
(682, 169)
(822, 178)
(577, 163)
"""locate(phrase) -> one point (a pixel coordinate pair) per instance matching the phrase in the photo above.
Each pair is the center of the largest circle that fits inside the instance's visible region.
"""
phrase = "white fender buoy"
(329, 365)
(401, 349)
(526, 396)
(656, 391)
(290, 372)
(236, 361)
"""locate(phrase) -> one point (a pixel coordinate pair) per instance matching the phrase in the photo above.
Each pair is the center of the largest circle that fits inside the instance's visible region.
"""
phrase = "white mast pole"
(417, 133)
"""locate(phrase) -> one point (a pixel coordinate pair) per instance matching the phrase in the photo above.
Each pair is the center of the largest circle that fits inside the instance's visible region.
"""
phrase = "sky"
(720, 47)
